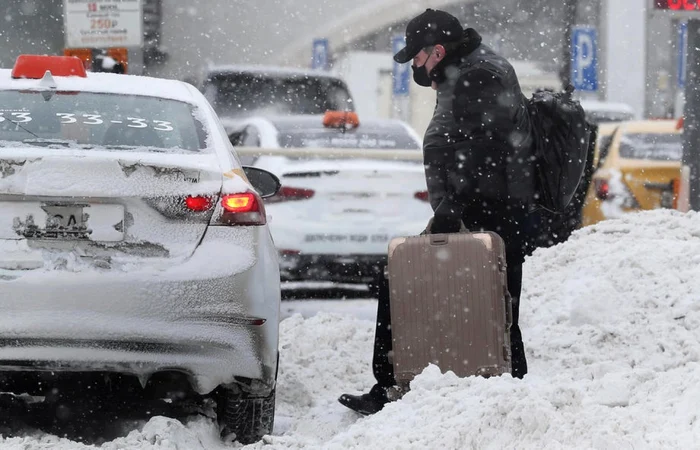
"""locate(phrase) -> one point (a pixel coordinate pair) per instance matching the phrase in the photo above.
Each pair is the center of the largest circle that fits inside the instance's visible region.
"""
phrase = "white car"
(333, 218)
(598, 112)
(237, 91)
(133, 248)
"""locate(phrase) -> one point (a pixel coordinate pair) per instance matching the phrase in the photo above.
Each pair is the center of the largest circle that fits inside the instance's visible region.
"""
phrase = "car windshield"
(651, 146)
(92, 120)
(389, 139)
(241, 94)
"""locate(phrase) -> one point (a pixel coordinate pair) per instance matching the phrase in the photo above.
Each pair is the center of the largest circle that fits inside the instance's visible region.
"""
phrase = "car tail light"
(190, 208)
(244, 209)
(198, 203)
(619, 192)
(288, 194)
(240, 203)
(422, 195)
(602, 189)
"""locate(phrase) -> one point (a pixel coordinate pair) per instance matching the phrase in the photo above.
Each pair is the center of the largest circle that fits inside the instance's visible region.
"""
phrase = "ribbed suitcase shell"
(449, 305)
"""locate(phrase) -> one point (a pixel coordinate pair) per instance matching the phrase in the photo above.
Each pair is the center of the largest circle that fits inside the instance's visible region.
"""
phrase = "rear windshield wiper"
(148, 148)
(47, 142)
(133, 148)
(314, 174)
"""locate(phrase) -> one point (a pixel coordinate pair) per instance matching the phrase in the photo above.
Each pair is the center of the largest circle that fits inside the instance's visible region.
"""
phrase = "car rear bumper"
(214, 317)
(334, 268)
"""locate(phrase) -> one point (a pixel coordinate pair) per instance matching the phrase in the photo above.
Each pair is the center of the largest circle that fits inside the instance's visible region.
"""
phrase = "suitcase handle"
(462, 228)
(439, 239)
(509, 308)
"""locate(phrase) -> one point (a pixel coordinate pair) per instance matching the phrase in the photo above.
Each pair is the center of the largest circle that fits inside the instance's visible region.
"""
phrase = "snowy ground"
(611, 321)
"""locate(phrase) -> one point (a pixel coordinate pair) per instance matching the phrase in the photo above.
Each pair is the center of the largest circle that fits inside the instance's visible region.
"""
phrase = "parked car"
(240, 91)
(333, 217)
(638, 168)
(134, 251)
(602, 112)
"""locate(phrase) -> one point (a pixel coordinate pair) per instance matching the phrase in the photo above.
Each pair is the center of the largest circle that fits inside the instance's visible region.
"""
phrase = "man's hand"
(447, 218)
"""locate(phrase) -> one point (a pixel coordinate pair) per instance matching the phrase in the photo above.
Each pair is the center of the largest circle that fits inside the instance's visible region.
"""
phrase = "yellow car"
(637, 168)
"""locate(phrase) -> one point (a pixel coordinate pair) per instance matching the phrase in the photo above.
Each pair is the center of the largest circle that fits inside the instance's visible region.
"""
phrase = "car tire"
(249, 418)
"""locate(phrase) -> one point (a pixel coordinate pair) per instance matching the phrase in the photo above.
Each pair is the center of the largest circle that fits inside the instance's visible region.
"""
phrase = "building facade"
(637, 51)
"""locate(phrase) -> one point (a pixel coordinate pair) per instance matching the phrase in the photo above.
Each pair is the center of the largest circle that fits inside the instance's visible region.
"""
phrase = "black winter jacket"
(478, 143)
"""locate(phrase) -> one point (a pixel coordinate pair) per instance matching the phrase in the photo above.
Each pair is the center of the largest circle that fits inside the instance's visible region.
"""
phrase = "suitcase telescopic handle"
(509, 308)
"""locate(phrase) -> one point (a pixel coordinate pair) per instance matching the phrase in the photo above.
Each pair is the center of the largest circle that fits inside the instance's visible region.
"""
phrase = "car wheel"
(249, 418)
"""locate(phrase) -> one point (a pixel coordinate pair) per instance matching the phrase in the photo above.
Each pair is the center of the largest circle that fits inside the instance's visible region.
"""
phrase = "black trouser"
(509, 223)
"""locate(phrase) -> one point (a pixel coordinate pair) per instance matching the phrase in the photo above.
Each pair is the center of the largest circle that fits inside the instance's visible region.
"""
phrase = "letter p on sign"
(584, 59)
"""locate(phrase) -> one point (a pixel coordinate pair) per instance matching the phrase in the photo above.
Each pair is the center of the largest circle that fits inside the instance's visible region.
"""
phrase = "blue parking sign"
(682, 53)
(584, 58)
(320, 58)
(401, 72)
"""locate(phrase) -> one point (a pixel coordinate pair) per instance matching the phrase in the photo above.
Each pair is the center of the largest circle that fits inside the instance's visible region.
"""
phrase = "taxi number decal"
(131, 122)
(91, 119)
(17, 117)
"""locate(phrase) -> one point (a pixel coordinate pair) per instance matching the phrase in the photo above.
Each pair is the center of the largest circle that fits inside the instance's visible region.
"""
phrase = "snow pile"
(321, 358)
(158, 434)
(611, 321)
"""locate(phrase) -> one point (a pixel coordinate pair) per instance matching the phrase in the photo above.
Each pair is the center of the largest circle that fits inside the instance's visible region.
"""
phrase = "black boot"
(366, 404)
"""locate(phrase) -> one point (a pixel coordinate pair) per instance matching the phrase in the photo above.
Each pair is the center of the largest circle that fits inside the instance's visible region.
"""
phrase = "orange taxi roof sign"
(36, 66)
(339, 119)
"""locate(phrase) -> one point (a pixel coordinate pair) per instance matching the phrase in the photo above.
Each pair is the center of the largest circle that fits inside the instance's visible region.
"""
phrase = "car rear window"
(243, 94)
(104, 121)
(651, 146)
(350, 139)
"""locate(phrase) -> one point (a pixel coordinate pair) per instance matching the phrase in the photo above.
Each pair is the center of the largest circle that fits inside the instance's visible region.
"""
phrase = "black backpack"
(561, 137)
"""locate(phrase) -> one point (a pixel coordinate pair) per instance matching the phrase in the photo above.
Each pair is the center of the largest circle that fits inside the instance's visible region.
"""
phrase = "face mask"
(421, 76)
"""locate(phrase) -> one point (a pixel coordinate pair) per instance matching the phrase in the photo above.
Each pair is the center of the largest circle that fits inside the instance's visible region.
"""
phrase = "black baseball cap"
(430, 28)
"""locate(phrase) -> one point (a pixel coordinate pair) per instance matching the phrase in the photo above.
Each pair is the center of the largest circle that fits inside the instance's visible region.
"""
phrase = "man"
(477, 155)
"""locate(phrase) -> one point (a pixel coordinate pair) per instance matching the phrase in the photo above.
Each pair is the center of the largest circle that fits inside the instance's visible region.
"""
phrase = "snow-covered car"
(335, 213)
(134, 246)
(638, 167)
(602, 112)
(239, 91)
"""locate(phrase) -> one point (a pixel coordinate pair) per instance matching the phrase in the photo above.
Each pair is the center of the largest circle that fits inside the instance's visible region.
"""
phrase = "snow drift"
(611, 322)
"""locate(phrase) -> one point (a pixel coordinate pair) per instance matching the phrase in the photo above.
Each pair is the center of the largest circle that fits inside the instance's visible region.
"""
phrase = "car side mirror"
(264, 182)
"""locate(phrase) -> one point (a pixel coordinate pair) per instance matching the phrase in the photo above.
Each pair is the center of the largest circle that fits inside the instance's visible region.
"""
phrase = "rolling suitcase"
(450, 305)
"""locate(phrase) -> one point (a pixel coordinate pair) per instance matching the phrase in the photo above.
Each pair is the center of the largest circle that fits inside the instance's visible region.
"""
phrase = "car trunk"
(353, 191)
(76, 208)
(651, 182)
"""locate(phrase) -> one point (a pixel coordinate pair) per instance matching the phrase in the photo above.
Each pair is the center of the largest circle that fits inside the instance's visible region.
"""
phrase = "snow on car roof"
(295, 122)
(109, 83)
(271, 71)
(596, 105)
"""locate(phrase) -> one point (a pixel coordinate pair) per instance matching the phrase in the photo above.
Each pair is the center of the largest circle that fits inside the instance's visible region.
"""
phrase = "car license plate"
(70, 222)
(62, 221)
(344, 238)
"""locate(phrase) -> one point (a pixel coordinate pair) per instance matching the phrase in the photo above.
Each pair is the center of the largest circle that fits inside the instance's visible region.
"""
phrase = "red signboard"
(677, 5)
